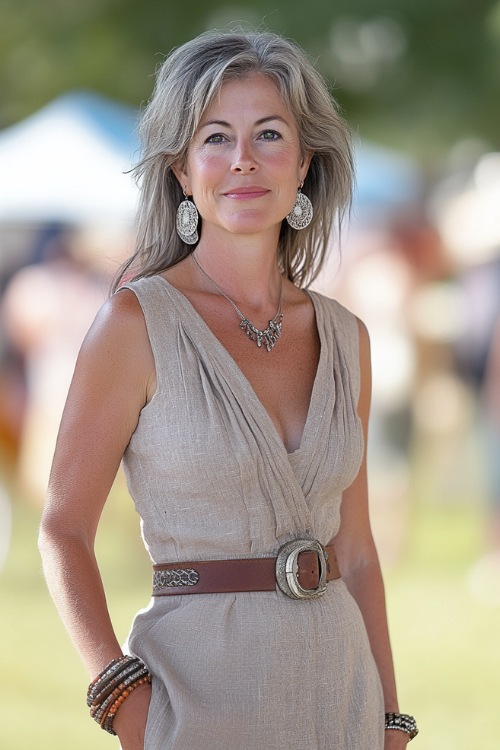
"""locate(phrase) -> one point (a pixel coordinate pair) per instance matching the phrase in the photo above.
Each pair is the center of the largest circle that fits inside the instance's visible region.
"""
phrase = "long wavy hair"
(186, 84)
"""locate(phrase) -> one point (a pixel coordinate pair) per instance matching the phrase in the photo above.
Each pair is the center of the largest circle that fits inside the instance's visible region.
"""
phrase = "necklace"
(269, 335)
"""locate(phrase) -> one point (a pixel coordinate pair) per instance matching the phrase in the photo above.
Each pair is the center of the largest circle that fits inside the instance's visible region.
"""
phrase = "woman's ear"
(304, 165)
(180, 172)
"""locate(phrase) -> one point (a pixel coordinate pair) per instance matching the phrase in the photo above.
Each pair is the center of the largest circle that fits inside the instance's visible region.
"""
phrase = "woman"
(238, 403)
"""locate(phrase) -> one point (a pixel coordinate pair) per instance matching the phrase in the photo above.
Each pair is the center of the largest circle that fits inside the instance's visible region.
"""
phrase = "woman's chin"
(250, 226)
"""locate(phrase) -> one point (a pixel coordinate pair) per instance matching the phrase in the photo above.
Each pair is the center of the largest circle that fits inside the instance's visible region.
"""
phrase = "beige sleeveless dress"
(211, 479)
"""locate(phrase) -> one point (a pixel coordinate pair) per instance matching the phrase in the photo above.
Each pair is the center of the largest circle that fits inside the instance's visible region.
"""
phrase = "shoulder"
(364, 341)
(365, 367)
(351, 336)
(340, 312)
(117, 345)
(114, 379)
(341, 319)
(120, 316)
(330, 305)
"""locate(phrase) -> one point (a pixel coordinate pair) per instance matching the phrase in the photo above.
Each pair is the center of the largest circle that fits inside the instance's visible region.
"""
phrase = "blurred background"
(419, 83)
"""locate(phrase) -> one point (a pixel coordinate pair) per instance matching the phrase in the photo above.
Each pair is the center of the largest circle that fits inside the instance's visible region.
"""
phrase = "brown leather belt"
(301, 570)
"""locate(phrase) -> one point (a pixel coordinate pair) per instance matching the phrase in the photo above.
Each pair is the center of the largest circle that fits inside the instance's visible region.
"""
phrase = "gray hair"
(186, 84)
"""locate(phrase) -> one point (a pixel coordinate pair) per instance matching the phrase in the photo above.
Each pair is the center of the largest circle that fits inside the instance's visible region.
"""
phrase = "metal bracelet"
(403, 722)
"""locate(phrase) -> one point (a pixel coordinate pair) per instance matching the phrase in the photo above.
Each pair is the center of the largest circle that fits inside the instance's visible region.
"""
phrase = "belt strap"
(231, 576)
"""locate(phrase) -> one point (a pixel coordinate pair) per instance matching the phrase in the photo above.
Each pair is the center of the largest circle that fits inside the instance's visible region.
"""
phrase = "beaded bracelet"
(112, 686)
(113, 682)
(107, 721)
(403, 722)
(113, 668)
(100, 711)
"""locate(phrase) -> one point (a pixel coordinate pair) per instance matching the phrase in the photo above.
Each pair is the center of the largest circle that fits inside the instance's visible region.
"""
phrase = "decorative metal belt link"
(167, 579)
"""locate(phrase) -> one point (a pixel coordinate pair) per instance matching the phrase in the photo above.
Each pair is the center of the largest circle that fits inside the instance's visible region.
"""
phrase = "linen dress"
(211, 479)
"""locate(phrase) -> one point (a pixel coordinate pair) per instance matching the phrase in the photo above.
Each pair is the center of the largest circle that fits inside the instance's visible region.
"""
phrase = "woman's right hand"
(130, 720)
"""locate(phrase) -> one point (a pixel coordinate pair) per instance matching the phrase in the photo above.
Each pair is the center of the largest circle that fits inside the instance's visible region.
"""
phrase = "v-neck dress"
(211, 479)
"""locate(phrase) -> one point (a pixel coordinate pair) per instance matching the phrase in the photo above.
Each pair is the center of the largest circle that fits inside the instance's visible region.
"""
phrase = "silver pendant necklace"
(269, 336)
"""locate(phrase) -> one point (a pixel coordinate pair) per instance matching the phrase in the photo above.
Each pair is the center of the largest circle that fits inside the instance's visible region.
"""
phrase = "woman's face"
(244, 163)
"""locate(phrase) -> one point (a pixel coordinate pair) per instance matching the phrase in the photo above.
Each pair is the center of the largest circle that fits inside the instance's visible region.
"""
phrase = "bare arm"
(113, 380)
(358, 558)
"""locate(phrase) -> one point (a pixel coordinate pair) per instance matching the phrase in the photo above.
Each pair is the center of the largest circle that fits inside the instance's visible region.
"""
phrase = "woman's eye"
(270, 135)
(216, 138)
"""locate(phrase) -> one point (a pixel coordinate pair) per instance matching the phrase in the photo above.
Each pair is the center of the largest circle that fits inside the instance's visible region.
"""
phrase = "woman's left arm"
(358, 558)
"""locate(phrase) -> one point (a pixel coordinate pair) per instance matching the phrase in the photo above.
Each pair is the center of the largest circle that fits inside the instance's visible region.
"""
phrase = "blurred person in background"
(478, 358)
(47, 307)
(243, 438)
(492, 410)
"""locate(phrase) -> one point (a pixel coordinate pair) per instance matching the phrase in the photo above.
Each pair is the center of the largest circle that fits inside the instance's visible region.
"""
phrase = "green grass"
(446, 642)
(43, 685)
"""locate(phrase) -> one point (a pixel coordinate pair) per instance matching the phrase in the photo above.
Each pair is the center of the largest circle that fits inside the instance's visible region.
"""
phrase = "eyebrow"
(262, 120)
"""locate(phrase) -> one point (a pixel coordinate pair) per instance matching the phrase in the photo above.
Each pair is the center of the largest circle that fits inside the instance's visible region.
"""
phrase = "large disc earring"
(302, 212)
(187, 221)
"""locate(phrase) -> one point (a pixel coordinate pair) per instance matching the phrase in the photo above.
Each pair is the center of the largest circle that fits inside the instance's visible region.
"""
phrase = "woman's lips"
(246, 193)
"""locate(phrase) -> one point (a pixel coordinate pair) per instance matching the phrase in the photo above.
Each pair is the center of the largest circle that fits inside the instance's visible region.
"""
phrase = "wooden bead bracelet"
(112, 686)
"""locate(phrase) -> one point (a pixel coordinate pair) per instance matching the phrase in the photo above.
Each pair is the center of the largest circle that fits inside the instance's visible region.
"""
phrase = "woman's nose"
(244, 161)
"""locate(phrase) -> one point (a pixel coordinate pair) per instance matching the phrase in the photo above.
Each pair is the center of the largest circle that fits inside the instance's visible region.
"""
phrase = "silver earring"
(302, 212)
(187, 221)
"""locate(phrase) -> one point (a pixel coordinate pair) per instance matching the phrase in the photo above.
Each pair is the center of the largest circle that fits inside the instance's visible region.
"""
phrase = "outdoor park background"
(418, 82)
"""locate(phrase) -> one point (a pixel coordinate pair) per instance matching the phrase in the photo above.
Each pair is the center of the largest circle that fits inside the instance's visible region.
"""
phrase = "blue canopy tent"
(386, 182)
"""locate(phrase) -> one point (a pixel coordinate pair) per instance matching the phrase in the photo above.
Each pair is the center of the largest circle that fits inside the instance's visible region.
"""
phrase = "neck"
(246, 269)
(267, 336)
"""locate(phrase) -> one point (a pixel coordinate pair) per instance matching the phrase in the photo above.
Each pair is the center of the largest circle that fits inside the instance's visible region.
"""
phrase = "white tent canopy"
(67, 162)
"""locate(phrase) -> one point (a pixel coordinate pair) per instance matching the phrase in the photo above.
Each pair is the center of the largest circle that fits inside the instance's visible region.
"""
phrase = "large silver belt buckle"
(287, 567)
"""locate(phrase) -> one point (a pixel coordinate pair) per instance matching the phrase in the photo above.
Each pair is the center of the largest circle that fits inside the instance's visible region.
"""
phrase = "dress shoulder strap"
(342, 331)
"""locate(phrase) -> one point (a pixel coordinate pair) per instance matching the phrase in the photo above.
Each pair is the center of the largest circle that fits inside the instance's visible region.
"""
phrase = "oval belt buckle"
(287, 567)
